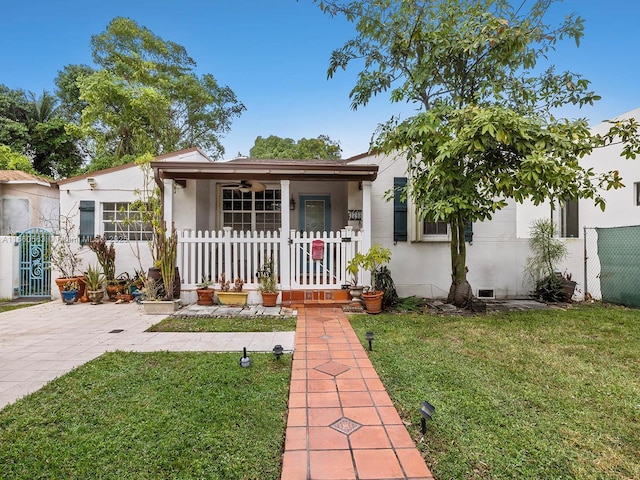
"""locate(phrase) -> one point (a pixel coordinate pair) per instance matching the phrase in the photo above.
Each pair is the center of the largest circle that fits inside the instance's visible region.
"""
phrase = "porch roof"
(266, 169)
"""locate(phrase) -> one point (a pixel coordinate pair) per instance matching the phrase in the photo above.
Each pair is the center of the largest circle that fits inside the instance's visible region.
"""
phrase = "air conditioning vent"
(486, 293)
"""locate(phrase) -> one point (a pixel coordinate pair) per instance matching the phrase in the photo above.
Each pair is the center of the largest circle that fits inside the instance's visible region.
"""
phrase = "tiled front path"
(342, 423)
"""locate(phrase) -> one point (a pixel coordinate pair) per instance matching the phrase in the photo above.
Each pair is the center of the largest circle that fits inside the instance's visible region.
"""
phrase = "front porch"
(233, 216)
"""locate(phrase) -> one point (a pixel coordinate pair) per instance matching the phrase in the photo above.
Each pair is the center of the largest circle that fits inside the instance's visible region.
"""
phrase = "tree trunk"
(460, 293)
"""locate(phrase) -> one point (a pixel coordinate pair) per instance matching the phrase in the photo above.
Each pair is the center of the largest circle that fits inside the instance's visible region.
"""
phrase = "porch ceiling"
(236, 170)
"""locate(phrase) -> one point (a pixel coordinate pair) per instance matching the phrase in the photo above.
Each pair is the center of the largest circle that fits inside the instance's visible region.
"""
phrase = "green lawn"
(529, 395)
(152, 416)
(6, 307)
(226, 324)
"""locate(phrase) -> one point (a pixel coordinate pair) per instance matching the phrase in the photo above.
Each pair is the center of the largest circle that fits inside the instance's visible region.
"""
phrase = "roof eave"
(249, 171)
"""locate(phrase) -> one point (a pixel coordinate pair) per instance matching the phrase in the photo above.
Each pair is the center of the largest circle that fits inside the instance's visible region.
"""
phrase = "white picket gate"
(239, 254)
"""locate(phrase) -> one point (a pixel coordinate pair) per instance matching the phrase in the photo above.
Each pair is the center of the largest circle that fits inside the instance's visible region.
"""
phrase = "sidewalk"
(40, 343)
(342, 423)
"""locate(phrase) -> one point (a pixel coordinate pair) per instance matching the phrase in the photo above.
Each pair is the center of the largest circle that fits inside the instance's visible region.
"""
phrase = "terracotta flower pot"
(269, 299)
(373, 301)
(205, 296)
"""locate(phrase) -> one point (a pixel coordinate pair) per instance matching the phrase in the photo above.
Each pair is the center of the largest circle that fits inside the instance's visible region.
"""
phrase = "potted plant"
(268, 283)
(372, 260)
(106, 255)
(70, 291)
(124, 294)
(153, 299)
(163, 242)
(165, 245)
(65, 255)
(353, 269)
(228, 295)
(94, 282)
(205, 294)
(547, 251)
(137, 284)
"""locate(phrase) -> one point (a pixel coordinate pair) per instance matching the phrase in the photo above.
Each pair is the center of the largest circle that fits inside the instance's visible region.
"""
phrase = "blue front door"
(315, 213)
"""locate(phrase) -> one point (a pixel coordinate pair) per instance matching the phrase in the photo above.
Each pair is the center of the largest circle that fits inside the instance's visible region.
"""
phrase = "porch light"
(92, 182)
(369, 337)
(426, 411)
(278, 351)
(292, 203)
(244, 360)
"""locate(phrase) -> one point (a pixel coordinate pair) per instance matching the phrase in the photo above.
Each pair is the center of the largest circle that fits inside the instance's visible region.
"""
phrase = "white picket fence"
(209, 254)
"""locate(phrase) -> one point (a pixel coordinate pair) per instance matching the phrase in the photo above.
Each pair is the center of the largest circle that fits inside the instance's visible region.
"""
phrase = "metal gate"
(35, 263)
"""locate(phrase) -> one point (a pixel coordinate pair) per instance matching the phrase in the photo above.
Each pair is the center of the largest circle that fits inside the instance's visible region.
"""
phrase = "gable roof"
(180, 155)
(18, 176)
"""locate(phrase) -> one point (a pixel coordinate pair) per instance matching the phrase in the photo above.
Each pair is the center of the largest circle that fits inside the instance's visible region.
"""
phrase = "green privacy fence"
(616, 264)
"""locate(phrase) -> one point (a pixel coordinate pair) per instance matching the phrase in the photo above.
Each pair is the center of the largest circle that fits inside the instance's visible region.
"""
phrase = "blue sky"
(274, 55)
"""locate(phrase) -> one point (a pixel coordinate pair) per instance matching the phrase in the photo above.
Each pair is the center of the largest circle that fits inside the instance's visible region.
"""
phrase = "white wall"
(9, 276)
(26, 205)
(621, 209)
(113, 185)
(496, 257)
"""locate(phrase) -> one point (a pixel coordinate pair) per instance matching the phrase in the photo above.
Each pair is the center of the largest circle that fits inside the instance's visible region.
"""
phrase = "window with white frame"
(251, 211)
(431, 228)
(636, 188)
(440, 232)
(121, 222)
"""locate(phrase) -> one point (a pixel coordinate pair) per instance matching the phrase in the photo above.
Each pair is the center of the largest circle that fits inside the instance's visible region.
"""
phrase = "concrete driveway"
(40, 343)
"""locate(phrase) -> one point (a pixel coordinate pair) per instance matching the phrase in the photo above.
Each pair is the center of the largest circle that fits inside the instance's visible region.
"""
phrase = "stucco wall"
(27, 205)
(114, 186)
(9, 253)
(621, 209)
(496, 257)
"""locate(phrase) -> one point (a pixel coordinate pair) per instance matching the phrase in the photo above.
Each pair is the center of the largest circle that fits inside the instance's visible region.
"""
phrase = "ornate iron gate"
(35, 263)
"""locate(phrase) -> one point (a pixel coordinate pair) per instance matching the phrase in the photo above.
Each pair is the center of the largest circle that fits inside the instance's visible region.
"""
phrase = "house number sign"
(355, 214)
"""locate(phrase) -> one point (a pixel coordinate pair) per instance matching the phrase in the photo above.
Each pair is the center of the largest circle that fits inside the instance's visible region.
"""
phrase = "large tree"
(305, 148)
(30, 124)
(487, 128)
(145, 96)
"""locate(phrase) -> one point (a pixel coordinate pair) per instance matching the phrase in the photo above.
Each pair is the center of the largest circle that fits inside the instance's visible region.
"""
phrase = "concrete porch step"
(316, 297)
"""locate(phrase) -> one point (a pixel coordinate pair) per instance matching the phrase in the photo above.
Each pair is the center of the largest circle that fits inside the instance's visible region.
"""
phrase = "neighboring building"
(26, 201)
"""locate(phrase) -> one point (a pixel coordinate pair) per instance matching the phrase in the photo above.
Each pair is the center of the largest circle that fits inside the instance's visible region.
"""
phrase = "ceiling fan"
(246, 186)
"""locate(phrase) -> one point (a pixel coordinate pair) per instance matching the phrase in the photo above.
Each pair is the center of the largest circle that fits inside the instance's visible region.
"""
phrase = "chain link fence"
(612, 264)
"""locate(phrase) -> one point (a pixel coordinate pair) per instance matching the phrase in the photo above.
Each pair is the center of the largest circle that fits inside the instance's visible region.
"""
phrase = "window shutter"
(87, 221)
(468, 232)
(399, 210)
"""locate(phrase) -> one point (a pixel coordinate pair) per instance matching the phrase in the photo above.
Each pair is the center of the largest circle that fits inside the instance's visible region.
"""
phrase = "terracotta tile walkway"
(342, 423)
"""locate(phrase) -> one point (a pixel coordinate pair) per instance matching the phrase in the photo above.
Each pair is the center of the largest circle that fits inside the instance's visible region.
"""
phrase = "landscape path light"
(244, 360)
(278, 351)
(426, 411)
(369, 337)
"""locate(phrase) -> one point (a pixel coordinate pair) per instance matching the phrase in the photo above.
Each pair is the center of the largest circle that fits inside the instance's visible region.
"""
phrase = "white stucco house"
(232, 215)
(311, 216)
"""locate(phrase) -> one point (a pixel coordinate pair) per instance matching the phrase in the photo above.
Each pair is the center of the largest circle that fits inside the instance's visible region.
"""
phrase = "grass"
(152, 416)
(225, 324)
(14, 306)
(526, 395)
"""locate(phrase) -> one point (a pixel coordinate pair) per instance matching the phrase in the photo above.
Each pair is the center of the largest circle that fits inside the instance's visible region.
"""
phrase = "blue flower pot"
(69, 296)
